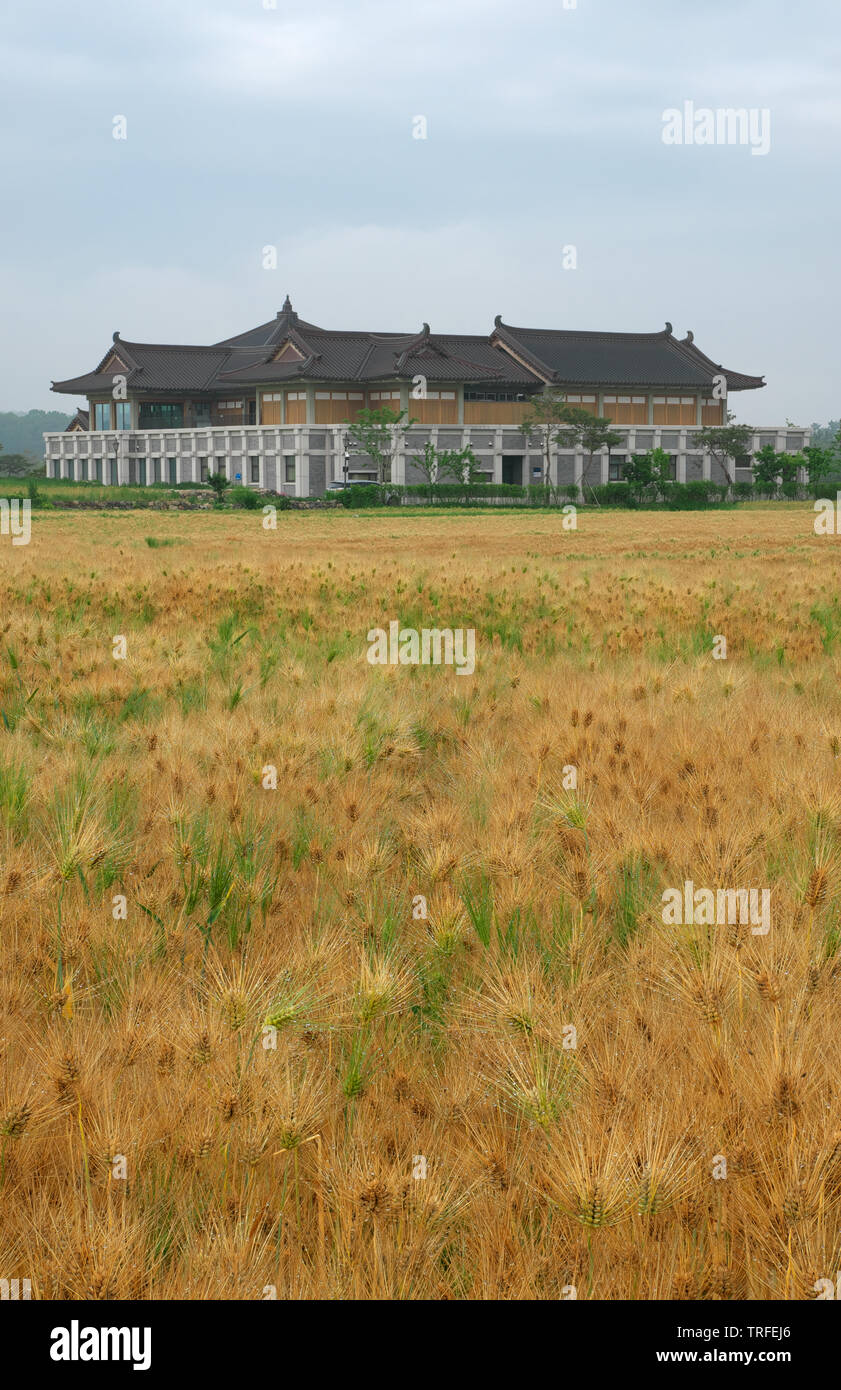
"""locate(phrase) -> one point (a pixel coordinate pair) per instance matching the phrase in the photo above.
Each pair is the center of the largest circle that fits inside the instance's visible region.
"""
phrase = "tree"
(550, 420)
(219, 482)
(821, 462)
(767, 467)
(594, 434)
(725, 442)
(638, 473)
(378, 433)
(437, 464)
(16, 465)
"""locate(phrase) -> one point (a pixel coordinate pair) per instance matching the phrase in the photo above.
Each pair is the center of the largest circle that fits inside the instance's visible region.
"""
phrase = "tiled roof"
(520, 357)
(565, 356)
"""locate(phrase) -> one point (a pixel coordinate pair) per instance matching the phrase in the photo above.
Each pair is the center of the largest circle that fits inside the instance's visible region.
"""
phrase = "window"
(112, 471)
(614, 469)
(161, 414)
(123, 415)
(172, 471)
(289, 467)
(102, 415)
(156, 470)
(141, 472)
(254, 462)
(83, 470)
(673, 467)
(222, 465)
(203, 469)
(202, 414)
(97, 463)
(470, 395)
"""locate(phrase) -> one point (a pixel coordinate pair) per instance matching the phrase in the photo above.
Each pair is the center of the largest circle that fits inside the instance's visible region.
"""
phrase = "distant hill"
(20, 433)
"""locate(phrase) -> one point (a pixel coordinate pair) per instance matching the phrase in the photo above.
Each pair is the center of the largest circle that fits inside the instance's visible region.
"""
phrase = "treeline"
(21, 438)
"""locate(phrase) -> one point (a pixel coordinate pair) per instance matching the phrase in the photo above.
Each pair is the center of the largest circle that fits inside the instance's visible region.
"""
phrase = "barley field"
(410, 1023)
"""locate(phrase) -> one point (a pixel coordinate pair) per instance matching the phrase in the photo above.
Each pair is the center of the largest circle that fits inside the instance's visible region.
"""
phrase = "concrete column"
(302, 461)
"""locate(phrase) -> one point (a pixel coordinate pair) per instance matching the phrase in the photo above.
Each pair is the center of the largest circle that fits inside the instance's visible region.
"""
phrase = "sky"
(254, 124)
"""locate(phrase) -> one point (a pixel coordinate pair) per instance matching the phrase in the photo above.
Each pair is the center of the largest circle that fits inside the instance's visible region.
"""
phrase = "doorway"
(512, 469)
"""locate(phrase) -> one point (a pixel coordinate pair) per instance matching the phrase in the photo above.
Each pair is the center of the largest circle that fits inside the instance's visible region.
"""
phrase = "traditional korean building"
(269, 407)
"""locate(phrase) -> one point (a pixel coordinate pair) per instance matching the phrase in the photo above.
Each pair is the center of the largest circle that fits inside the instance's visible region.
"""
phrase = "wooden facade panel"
(675, 410)
(625, 410)
(586, 401)
(495, 412)
(712, 413)
(434, 412)
(334, 407)
(271, 409)
(389, 400)
(296, 407)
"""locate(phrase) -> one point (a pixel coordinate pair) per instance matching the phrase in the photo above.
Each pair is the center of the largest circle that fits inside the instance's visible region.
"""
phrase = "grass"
(275, 923)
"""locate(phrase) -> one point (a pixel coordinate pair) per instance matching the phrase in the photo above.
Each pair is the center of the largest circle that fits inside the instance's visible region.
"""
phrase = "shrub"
(612, 495)
(364, 495)
(696, 495)
(245, 497)
(219, 482)
(825, 487)
(743, 491)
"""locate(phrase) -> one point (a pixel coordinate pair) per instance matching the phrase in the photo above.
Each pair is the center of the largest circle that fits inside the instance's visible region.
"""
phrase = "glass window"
(614, 470)
(102, 415)
(221, 464)
(172, 471)
(141, 472)
(289, 467)
(123, 415)
(161, 414)
(255, 468)
(203, 469)
(156, 470)
(97, 463)
(112, 468)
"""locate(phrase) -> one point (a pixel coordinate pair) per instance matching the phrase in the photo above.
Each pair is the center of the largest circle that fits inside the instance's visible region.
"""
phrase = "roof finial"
(668, 328)
(287, 305)
(690, 336)
(425, 330)
(115, 336)
(498, 321)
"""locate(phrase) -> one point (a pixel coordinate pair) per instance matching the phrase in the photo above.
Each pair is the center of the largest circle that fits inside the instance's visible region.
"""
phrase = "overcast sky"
(250, 126)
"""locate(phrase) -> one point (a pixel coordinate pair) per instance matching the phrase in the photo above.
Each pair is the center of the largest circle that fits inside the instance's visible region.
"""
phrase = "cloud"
(249, 126)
